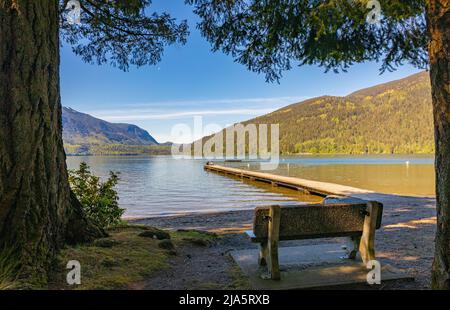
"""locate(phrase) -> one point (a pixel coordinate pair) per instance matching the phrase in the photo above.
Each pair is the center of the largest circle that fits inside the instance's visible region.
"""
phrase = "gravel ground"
(406, 241)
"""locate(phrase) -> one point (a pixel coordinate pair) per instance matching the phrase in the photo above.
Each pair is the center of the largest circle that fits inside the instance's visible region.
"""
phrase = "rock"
(166, 244)
(172, 252)
(105, 243)
(198, 241)
(155, 233)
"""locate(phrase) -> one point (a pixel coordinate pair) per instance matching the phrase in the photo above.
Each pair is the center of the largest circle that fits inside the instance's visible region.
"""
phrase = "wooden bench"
(355, 220)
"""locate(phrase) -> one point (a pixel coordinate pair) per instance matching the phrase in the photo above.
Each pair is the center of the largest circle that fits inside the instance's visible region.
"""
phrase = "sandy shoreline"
(226, 222)
(397, 209)
(406, 239)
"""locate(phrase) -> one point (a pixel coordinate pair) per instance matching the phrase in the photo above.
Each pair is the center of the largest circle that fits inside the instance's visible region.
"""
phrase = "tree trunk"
(438, 19)
(37, 212)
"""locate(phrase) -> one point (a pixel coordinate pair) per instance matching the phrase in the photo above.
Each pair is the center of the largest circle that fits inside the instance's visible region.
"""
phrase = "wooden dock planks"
(308, 186)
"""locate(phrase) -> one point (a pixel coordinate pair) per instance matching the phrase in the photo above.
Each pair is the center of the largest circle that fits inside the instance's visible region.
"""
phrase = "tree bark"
(37, 212)
(438, 20)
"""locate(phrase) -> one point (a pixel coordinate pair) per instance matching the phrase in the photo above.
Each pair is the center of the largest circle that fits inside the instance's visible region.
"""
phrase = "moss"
(15, 276)
(166, 244)
(124, 225)
(208, 286)
(155, 233)
(105, 243)
(130, 260)
(240, 280)
(187, 235)
(7, 270)
(198, 241)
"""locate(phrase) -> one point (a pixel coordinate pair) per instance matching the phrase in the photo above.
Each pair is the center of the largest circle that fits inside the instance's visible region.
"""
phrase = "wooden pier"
(307, 186)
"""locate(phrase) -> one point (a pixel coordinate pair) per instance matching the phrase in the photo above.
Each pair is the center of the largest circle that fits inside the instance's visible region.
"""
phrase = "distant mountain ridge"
(390, 118)
(84, 129)
(84, 134)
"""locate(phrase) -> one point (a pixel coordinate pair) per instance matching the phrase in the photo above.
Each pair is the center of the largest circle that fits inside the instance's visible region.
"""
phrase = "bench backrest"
(315, 221)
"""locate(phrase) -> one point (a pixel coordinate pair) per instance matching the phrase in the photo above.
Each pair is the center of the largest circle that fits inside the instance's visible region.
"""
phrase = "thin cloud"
(177, 115)
(183, 109)
(177, 103)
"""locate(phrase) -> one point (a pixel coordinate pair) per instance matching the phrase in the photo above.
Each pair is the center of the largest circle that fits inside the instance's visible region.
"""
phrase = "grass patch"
(240, 280)
(130, 259)
(181, 235)
(117, 262)
(121, 260)
(7, 270)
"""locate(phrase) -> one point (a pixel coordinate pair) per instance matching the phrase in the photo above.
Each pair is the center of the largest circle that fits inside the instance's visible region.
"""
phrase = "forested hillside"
(84, 134)
(395, 117)
(80, 128)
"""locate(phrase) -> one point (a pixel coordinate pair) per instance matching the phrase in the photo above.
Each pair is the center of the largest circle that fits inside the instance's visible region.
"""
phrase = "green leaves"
(122, 33)
(271, 36)
(100, 200)
(267, 37)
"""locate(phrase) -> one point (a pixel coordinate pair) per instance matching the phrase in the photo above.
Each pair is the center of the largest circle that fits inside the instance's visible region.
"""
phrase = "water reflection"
(405, 175)
(161, 185)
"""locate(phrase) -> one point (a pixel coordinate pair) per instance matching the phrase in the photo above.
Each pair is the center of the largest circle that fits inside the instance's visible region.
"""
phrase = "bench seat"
(357, 219)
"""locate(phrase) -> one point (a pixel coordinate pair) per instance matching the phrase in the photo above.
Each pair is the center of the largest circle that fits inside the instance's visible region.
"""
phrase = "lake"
(161, 185)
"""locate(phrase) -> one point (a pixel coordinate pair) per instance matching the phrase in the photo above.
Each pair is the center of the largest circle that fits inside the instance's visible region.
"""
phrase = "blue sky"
(192, 81)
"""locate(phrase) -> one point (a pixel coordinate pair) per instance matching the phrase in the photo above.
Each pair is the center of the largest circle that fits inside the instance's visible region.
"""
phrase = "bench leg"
(274, 233)
(356, 240)
(274, 266)
(263, 251)
(367, 244)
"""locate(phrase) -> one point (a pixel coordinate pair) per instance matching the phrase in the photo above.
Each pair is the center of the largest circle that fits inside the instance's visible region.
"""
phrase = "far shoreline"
(284, 155)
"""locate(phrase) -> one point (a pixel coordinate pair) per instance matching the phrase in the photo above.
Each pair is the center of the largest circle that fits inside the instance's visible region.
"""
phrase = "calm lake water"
(161, 185)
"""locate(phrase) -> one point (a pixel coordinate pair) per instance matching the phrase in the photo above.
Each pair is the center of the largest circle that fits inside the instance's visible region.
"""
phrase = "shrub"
(99, 199)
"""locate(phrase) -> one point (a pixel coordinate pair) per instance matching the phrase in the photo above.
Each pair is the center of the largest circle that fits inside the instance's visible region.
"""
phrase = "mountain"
(85, 134)
(394, 117)
(80, 128)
